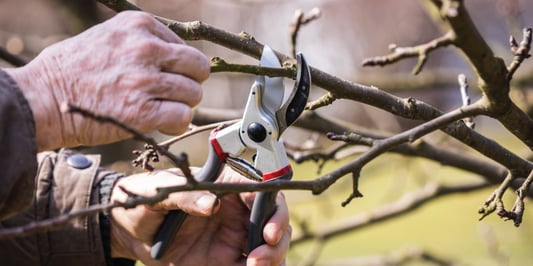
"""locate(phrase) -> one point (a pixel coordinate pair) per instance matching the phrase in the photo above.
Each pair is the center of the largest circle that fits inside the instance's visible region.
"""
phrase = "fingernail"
(277, 234)
(205, 203)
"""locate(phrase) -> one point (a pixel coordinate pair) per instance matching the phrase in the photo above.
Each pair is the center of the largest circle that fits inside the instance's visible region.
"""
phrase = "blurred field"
(447, 227)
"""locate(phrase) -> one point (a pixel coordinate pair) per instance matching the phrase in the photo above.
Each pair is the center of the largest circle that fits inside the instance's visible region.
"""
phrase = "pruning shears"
(265, 118)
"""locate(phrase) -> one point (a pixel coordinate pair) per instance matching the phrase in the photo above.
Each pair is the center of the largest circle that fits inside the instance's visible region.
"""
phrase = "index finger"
(140, 20)
(165, 33)
(185, 60)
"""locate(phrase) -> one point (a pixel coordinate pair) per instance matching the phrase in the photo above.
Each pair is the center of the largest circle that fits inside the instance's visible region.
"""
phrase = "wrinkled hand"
(130, 67)
(213, 234)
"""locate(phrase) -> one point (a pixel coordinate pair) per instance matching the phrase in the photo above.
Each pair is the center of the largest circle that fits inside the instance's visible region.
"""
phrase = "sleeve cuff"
(105, 188)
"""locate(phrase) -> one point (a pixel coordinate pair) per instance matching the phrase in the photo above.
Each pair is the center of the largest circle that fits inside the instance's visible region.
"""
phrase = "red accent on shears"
(218, 149)
(278, 173)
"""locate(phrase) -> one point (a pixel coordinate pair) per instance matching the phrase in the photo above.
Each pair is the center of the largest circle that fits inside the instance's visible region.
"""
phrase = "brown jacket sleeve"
(17, 149)
(62, 186)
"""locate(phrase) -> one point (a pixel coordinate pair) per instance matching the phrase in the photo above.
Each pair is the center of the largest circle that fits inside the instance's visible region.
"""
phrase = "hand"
(212, 234)
(130, 67)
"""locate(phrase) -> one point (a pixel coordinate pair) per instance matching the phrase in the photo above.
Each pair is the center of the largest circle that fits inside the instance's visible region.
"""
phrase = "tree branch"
(421, 51)
(180, 161)
(339, 88)
(492, 72)
(520, 52)
(408, 203)
(301, 19)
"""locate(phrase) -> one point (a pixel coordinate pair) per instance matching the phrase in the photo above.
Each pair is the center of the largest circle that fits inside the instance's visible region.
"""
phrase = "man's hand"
(130, 67)
(214, 233)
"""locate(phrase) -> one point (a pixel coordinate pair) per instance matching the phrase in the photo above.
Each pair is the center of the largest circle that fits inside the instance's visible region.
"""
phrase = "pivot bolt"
(256, 132)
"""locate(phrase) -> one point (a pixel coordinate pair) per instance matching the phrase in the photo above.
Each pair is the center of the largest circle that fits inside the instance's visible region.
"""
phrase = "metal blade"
(274, 89)
(296, 102)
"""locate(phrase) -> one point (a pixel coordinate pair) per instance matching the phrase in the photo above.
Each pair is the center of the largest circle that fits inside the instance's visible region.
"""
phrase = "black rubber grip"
(166, 232)
(174, 219)
(263, 208)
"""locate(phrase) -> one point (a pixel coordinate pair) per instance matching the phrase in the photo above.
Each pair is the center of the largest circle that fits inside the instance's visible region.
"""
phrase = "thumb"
(200, 203)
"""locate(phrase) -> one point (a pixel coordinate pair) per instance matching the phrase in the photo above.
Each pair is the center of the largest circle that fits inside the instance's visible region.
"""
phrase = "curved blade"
(273, 93)
(296, 102)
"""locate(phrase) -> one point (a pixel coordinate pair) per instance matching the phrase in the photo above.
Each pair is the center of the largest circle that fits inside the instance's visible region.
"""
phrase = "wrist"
(44, 108)
(120, 242)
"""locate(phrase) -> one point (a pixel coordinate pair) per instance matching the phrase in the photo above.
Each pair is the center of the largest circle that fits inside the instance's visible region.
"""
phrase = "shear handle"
(175, 218)
(262, 210)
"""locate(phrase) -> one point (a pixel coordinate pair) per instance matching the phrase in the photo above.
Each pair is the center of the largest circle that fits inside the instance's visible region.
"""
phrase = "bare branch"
(492, 172)
(381, 146)
(520, 52)
(56, 222)
(420, 51)
(518, 208)
(220, 65)
(408, 203)
(299, 20)
(339, 88)
(494, 202)
(491, 70)
(325, 100)
(404, 256)
(196, 130)
(180, 161)
(463, 87)
(355, 189)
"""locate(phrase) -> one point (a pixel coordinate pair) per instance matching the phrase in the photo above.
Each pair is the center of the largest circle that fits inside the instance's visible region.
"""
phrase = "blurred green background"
(447, 227)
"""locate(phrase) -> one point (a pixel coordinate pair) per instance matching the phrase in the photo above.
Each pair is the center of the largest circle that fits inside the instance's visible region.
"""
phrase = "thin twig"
(408, 203)
(490, 70)
(220, 65)
(420, 51)
(494, 202)
(518, 208)
(179, 161)
(405, 256)
(49, 224)
(344, 89)
(463, 87)
(299, 20)
(196, 130)
(381, 146)
(520, 52)
(325, 100)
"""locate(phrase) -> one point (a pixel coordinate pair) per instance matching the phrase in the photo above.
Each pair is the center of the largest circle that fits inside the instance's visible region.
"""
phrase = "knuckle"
(135, 85)
(204, 66)
(186, 117)
(196, 95)
(137, 19)
(147, 46)
(192, 56)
